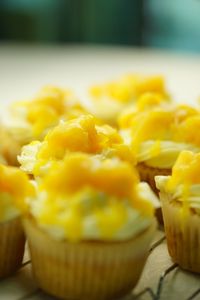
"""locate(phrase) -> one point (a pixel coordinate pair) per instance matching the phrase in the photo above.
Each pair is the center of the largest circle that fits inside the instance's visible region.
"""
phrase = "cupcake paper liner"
(12, 241)
(148, 174)
(183, 235)
(87, 269)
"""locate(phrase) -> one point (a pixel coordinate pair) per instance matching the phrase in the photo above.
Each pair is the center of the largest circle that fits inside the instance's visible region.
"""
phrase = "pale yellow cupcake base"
(89, 269)
(183, 235)
(148, 174)
(12, 241)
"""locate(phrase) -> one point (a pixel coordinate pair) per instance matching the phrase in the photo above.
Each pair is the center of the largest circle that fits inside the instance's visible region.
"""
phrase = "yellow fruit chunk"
(41, 117)
(78, 170)
(152, 125)
(187, 130)
(128, 88)
(54, 97)
(150, 84)
(186, 170)
(109, 221)
(81, 135)
(16, 184)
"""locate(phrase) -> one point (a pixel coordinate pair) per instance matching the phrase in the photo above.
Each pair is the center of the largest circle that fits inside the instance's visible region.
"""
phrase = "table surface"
(24, 69)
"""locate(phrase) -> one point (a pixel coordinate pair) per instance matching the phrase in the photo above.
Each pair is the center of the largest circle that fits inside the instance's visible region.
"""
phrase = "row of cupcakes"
(28, 120)
(88, 233)
(36, 159)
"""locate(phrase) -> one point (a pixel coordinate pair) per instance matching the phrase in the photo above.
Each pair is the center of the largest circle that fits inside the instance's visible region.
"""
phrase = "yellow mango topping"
(157, 134)
(41, 117)
(173, 123)
(88, 197)
(155, 125)
(149, 100)
(121, 151)
(183, 112)
(150, 84)
(15, 184)
(186, 170)
(80, 134)
(113, 90)
(185, 174)
(46, 109)
(128, 88)
(145, 102)
(74, 135)
(112, 219)
(188, 130)
(78, 170)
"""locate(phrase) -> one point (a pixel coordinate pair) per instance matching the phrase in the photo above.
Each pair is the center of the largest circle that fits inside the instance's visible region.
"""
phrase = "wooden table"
(24, 69)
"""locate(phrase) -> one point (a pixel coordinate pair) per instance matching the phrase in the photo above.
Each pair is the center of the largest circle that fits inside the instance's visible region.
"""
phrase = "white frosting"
(28, 156)
(164, 158)
(146, 193)
(167, 156)
(105, 108)
(90, 230)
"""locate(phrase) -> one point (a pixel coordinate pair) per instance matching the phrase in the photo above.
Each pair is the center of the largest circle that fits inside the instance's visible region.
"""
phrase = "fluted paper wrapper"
(183, 235)
(87, 270)
(148, 174)
(12, 242)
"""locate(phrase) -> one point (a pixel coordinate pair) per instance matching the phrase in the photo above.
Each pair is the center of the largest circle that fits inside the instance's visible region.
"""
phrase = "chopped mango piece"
(186, 170)
(15, 183)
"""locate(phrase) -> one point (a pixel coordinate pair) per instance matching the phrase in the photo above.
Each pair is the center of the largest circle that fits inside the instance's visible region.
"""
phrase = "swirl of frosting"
(158, 134)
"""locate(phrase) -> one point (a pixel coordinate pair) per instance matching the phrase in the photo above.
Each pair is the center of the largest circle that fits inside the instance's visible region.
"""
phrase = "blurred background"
(173, 24)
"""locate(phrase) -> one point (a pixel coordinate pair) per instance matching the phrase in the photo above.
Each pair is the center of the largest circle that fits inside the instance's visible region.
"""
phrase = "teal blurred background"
(171, 24)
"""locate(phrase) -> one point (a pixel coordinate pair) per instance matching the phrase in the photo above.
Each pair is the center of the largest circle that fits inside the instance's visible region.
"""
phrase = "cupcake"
(180, 197)
(89, 228)
(29, 120)
(108, 99)
(14, 188)
(157, 134)
(82, 134)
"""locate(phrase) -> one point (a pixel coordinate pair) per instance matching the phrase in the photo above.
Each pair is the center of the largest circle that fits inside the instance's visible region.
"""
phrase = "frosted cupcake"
(81, 134)
(180, 196)
(28, 120)
(14, 188)
(108, 99)
(89, 228)
(157, 134)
